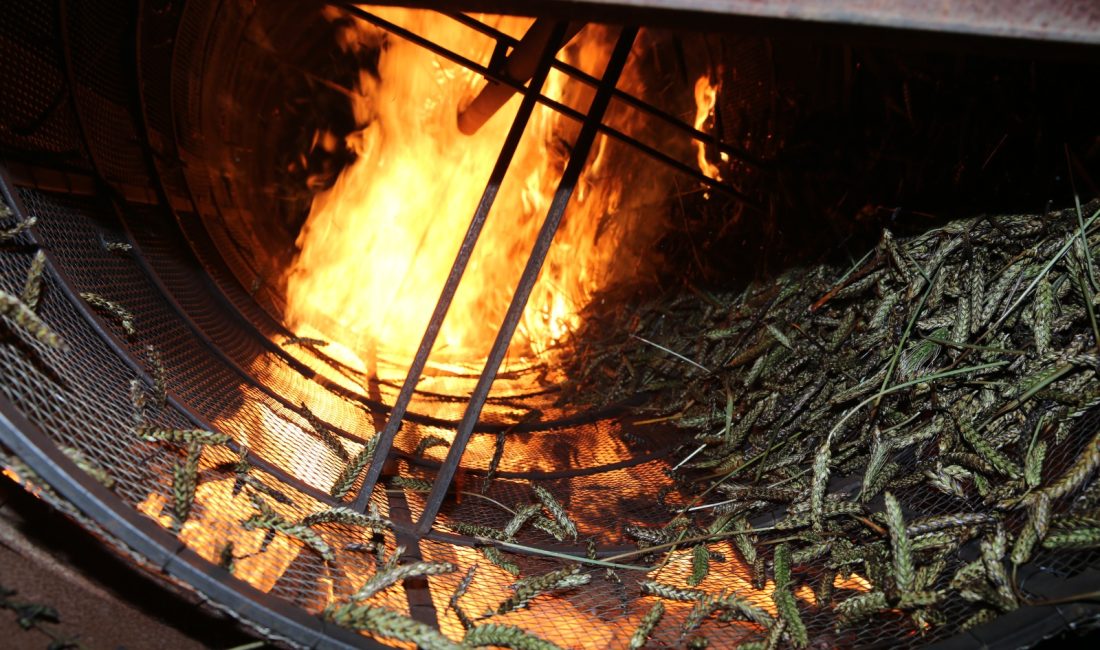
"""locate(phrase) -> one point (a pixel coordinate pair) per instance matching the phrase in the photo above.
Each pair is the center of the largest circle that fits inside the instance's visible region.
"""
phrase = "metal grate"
(37, 115)
(184, 281)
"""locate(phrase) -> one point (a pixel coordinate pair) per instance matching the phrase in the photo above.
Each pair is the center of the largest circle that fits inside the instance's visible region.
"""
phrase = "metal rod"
(519, 66)
(623, 96)
(556, 106)
(469, 240)
(577, 160)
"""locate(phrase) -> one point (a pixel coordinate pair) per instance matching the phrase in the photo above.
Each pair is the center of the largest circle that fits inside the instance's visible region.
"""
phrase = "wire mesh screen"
(82, 398)
(144, 341)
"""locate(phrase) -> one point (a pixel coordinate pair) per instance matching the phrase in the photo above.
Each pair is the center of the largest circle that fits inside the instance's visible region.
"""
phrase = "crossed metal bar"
(721, 187)
(591, 126)
(564, 192)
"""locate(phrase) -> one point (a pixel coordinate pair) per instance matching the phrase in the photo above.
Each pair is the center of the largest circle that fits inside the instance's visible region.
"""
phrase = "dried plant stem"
(505, 636)
(556, 510)
(89, 466)
(32, 288)
(304, 534)
(427, 442)
(23, 316)
(347, 517)
(160, 375)
(1087, 462)
(325, 434)
(11, 233)
(721, 600)
(185, 481)
(1045, 269)
(530, 588)
(386, 578)
(388, 624)
(304, 341)
(783, 597)
(118, 312)
(182, 436)
(346, 480)
(458, 593)
(647, 625)
(901, 549)
(522, 516)
(496, 557)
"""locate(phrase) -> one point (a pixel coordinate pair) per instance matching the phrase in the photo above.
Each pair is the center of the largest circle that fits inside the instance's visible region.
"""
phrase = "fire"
(706, 96)
(377, 246)
(30, 486)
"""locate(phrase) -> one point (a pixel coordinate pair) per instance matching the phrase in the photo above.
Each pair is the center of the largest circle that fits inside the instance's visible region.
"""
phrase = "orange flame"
(706, 96)
(377, 246)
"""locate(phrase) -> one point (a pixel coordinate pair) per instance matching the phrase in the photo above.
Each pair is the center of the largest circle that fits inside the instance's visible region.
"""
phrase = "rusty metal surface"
(1056, 21)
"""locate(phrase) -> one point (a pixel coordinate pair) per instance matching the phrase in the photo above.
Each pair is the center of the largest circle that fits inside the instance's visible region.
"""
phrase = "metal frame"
(398, 413)
(591, 125)
(168, 554)
(34, 446)
(1064, 22)
(163, 550)
(573, 114)
(488, 197)
(577, 160)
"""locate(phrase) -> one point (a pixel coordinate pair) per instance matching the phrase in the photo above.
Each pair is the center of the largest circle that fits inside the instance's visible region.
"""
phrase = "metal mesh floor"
(224, 369)
(81, 400)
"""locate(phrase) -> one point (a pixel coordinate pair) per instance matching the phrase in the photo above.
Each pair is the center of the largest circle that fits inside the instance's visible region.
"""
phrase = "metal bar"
(567, 111)
(624, 97)
(466, 249)
(519, 65)
(1072, 22)
(125, 528)
(417, 590)
(577, 160)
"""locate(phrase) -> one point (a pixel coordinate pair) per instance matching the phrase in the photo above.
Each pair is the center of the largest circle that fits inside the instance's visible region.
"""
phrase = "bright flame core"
(377, 247)
(706, 96)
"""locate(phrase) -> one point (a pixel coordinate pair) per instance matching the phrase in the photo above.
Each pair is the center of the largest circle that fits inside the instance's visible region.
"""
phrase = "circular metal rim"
(262, 611)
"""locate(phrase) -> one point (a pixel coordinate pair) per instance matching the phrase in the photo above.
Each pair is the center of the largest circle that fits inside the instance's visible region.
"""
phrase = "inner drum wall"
(101, 151)
(89, 185)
